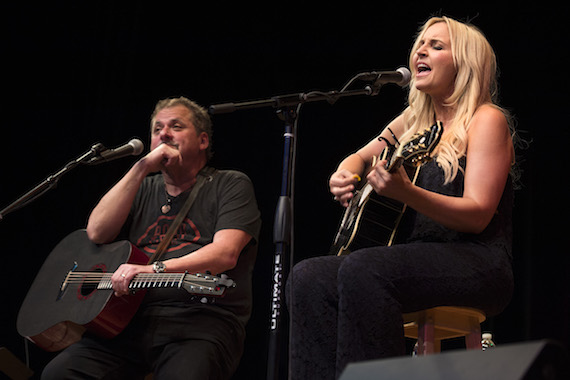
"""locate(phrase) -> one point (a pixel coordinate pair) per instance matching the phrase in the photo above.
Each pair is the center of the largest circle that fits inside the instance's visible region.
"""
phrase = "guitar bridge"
(65, 282)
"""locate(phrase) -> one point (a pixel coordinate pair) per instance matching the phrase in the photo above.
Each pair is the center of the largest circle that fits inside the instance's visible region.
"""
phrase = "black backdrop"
(74, 75)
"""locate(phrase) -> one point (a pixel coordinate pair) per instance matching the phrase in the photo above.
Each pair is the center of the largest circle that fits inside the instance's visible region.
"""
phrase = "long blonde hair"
(475, 85)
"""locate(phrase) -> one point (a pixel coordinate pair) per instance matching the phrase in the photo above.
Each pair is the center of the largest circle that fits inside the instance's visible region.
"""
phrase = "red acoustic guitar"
(72, 292)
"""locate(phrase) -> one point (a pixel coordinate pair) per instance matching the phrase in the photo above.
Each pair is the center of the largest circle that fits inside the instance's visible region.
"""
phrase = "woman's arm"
(489, 158)
(354, 167)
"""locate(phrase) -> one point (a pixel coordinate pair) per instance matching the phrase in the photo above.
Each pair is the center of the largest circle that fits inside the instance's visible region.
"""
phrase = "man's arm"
(217, 257)
(108, 217)
(111, 212)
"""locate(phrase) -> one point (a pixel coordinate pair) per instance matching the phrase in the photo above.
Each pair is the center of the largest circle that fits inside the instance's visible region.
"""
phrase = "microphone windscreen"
(137, 145)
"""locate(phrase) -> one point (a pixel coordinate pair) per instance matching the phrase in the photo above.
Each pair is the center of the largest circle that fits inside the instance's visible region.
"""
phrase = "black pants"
(348, 309)
(197, 348)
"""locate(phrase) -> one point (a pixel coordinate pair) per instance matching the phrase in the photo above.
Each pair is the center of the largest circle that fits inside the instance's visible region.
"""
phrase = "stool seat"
(431, 326)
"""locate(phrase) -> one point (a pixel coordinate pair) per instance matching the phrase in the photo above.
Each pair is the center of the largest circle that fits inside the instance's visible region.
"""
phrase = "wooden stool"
(431, 326)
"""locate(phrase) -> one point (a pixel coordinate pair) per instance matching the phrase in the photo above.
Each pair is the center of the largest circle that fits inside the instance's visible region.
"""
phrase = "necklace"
(168, 205)
(165, 208)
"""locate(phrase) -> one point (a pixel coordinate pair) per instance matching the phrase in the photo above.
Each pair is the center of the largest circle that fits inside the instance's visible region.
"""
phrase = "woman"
(458, 248)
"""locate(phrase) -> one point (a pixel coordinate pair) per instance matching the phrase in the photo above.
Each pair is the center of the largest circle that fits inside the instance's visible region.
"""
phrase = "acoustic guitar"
(371, 219)
(72, 292)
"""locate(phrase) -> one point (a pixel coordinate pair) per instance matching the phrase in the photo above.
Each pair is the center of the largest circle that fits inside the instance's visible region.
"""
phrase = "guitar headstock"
(417, 150)
(205, 284)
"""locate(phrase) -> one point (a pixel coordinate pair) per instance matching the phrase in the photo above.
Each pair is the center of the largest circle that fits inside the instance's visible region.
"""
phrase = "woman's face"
(434, 69)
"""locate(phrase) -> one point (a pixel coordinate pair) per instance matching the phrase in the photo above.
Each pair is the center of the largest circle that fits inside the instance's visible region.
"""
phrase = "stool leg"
(426, 336)
(473, 339)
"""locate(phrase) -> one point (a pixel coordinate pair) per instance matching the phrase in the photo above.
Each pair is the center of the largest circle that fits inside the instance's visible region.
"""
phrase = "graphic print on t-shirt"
(186, 235)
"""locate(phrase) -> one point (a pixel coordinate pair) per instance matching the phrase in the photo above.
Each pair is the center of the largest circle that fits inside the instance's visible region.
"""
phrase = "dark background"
(74, 75)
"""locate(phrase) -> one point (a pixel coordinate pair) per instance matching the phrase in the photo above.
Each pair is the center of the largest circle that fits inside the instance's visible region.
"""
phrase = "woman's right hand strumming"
(342, 185)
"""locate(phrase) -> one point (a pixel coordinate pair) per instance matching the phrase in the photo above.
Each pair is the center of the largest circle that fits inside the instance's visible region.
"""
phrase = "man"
(173, 334)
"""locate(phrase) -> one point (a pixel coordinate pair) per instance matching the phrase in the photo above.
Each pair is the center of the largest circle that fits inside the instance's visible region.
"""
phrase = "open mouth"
(422, 68)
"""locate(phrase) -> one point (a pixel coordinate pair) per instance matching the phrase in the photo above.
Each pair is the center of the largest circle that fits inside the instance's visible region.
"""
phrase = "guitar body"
(54, 319)
(373, 220)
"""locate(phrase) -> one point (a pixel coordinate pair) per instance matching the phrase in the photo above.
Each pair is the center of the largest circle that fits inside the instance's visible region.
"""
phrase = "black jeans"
(347, 309)
(198, 348)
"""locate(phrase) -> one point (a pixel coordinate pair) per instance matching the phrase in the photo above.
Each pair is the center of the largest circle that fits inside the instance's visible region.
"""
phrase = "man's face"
(173, 126)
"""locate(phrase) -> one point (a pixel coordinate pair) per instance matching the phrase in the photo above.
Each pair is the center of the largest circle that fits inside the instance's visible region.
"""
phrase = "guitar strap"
(399, 219)
(205, 175)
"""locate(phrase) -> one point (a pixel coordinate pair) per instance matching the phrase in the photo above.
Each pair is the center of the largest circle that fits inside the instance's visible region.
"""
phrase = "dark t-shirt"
(226, 201)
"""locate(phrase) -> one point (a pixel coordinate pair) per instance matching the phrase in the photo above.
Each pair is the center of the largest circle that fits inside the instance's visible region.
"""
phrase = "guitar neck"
(143, 280)
(395, 164)
(150, 280)
(395, 159)
(193, 283)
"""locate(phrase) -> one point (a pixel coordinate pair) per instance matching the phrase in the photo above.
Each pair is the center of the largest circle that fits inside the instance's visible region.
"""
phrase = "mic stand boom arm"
(283, 101)
(51, 181)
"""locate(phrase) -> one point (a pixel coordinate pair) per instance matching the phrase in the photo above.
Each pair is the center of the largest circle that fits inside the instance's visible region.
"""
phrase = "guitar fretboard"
(193, 283)
(148, 280)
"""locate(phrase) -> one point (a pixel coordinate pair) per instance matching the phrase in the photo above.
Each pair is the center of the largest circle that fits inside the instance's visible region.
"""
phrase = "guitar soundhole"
(89, 286)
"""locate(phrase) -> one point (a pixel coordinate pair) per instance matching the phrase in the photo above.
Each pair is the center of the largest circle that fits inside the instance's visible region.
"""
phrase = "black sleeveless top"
(419, 228)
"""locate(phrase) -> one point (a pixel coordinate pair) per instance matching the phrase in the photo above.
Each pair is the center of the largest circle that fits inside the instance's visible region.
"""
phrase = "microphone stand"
(283, 222)
(51, 181)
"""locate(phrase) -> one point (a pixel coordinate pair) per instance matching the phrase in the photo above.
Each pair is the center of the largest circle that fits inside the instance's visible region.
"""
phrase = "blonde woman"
(456, 249)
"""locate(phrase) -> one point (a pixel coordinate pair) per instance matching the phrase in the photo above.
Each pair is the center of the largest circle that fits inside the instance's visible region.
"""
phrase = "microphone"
(133, 147)
(401, 77)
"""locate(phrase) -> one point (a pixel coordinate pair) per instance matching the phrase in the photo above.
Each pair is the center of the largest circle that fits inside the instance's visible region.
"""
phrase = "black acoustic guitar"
(371, 219)
(72, 292)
